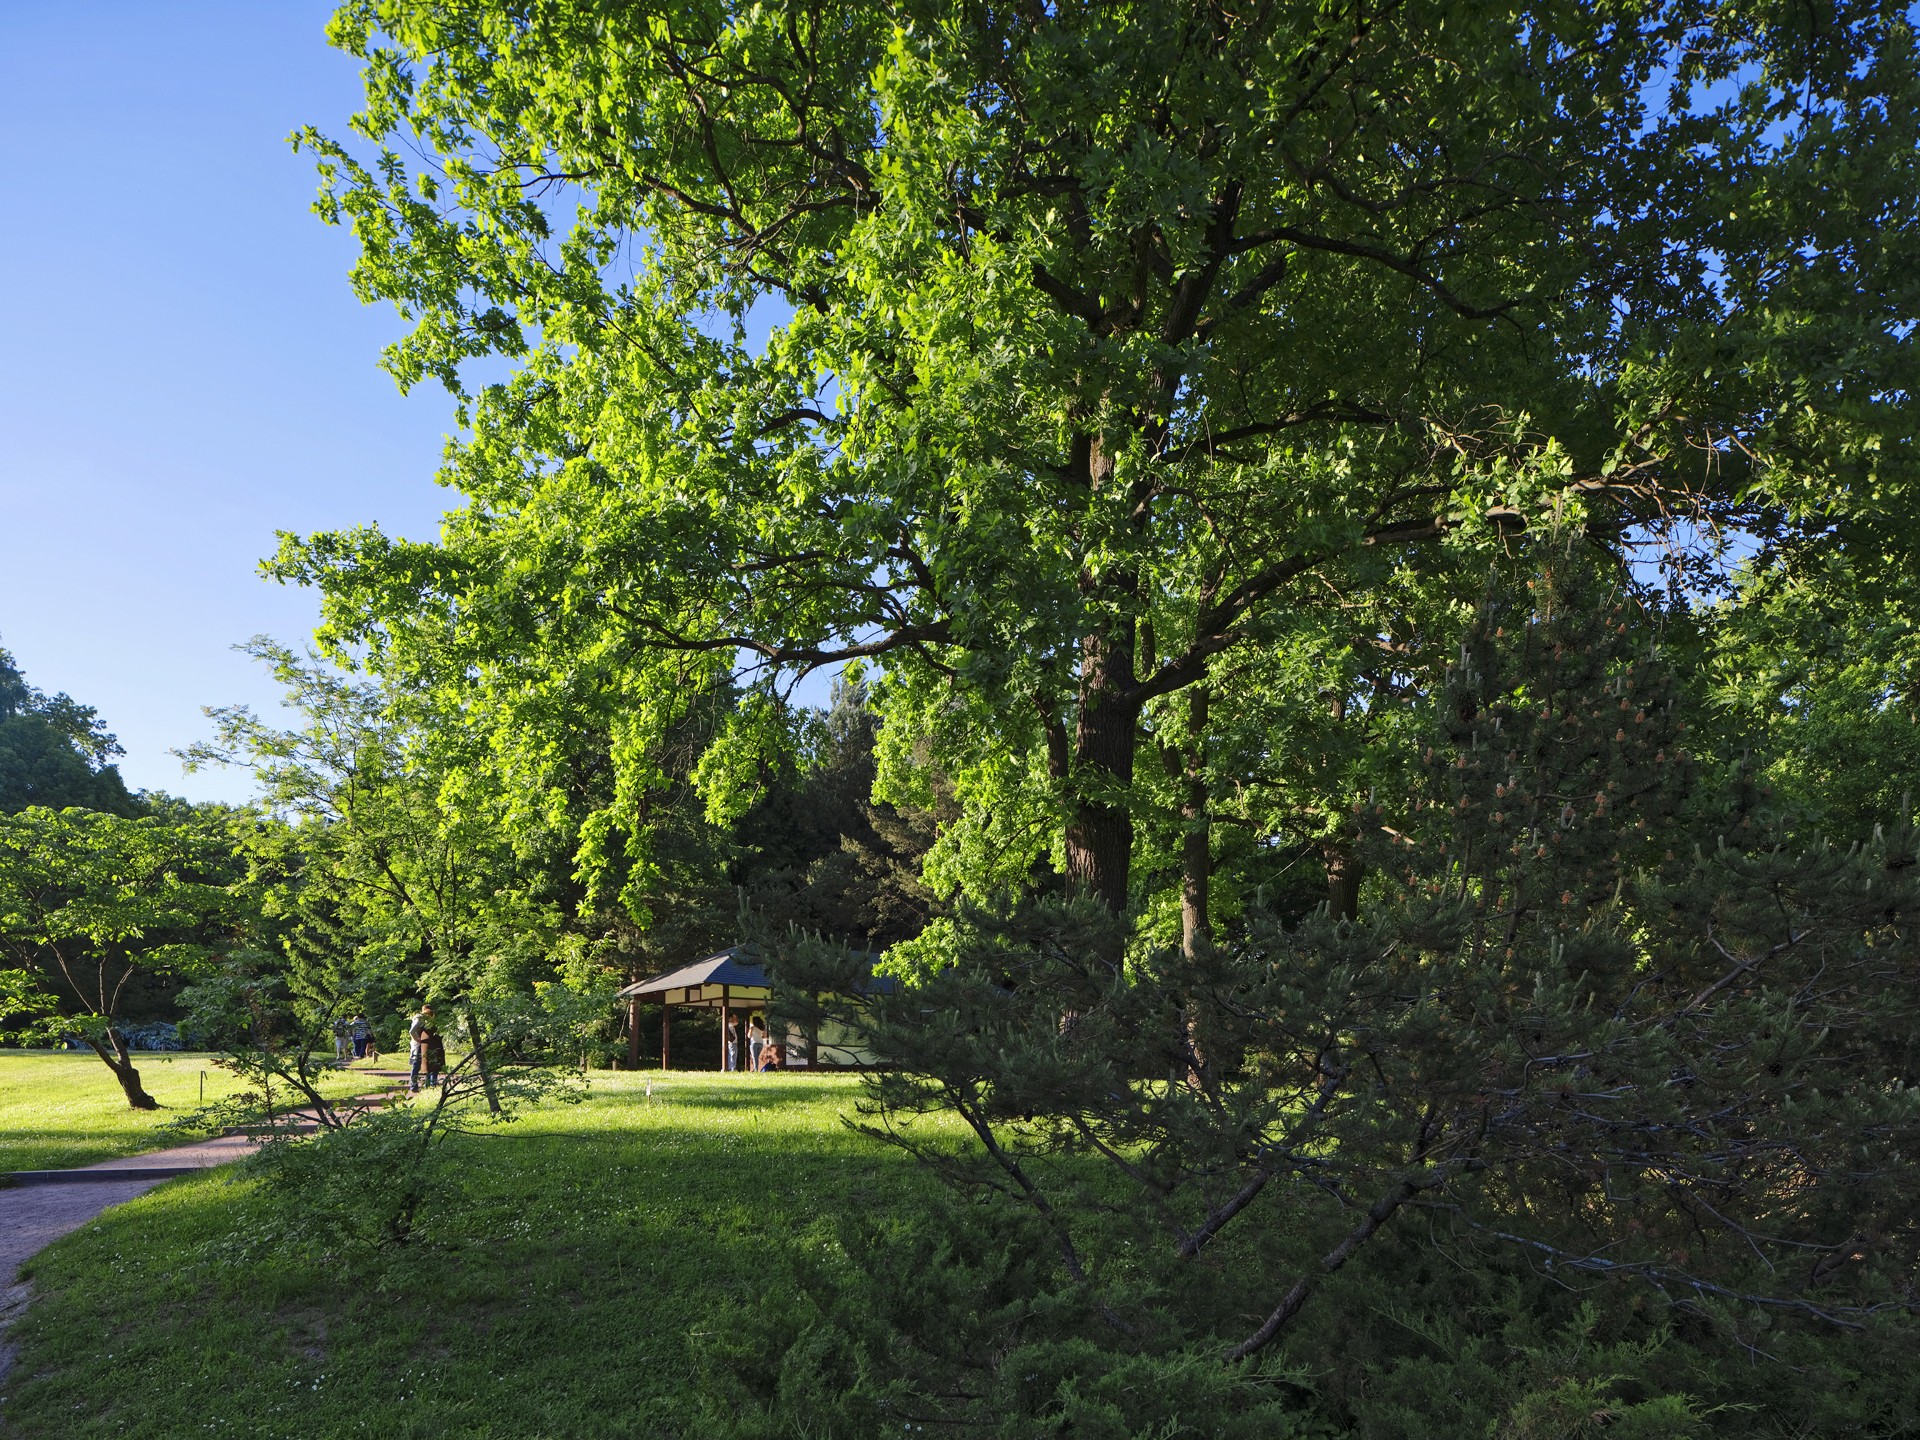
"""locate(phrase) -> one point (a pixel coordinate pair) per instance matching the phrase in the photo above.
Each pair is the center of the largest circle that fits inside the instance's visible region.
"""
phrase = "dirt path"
(32, 1217)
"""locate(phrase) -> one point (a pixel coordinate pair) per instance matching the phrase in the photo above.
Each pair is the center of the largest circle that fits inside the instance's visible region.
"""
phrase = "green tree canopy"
(1119, 351)
(54, 751)
(90, 903)
(1816, 672)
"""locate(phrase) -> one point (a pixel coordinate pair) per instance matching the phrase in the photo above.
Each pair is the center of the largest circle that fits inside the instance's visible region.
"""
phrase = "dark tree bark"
(1196, 847)
(1343, 870)
(1099, 836)
(1344, 874)
(1196, 866)
(1099, 832)
(121, 1064)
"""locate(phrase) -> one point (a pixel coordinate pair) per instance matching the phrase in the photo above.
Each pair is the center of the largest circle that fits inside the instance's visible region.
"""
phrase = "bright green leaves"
(381, 856)
(88, 900)
(755, 737)
(1121, 349)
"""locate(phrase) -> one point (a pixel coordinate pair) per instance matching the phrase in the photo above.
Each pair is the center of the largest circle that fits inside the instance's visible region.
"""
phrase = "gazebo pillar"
(666, 1033)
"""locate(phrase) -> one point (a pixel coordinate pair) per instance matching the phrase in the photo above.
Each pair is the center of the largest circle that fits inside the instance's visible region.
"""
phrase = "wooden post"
(724, 998)
(633, 1032)
(666, 1030)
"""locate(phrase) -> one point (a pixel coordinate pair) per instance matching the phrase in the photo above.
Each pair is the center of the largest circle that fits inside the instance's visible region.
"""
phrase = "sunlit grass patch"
(580, 1258)
(61, 1108)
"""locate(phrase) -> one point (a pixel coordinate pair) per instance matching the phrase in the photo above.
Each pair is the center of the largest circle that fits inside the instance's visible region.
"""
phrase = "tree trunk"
(1196, 871)
(118, 1061)
(1099, 833)
(1344, 874)
(1099, 837)
(1343, 870)
(1196, 846)
(480, 1059)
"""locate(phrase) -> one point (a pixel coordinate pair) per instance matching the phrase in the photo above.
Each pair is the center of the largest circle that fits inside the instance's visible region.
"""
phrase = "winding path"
(43, 1205)
(33, 1216)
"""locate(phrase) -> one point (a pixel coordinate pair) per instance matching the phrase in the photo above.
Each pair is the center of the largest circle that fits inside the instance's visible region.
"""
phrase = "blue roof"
(728, 968)
(731, 968)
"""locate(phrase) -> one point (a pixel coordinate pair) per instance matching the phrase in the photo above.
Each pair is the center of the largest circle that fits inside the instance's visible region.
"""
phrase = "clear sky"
(183, 369)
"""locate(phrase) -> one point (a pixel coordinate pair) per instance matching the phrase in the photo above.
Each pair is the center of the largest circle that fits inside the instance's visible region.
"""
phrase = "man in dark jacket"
(418, 1028)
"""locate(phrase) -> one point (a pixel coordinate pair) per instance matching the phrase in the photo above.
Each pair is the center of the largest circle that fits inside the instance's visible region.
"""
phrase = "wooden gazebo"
(723, 982)
(731, 981)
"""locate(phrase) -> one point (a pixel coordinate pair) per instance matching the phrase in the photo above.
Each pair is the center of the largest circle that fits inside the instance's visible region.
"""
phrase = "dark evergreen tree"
(819, 852)
(1594, 1014)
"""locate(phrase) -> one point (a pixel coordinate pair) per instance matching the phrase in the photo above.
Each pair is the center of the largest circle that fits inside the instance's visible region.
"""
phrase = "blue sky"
(183, 369)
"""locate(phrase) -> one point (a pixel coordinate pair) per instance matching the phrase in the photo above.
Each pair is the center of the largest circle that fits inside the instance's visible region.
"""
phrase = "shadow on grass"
(559, 1290)
(66, 1149)
(40, 1137)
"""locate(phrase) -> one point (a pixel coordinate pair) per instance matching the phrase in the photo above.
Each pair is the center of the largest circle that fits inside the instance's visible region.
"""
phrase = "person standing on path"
(756, 1041)
(418, 1028)
(342, 1034)
(436, 1058)
(360, 1033)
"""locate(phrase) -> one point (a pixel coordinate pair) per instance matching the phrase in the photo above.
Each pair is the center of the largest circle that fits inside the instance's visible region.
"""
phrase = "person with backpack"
(419, 1027)
(341, 1046)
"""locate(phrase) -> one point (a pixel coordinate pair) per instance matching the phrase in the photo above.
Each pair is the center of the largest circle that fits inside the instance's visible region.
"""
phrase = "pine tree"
(1595, 1013)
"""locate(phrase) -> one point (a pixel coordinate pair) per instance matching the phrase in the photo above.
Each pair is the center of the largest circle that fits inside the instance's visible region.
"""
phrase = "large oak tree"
(1117, 352)
(54, 751)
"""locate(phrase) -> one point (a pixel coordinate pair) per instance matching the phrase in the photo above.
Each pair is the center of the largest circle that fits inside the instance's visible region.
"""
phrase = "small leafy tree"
(372, 1166)
(91, 902)
(358, 841)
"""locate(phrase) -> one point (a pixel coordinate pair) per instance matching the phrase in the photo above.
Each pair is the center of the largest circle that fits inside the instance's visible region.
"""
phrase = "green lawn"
(64, 1108)
(588, 1257)
(595, 1247)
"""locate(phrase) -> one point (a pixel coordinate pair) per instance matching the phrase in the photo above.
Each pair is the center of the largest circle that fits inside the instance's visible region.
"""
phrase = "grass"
(581, 1264)
(567, 1294)
(60, 1109)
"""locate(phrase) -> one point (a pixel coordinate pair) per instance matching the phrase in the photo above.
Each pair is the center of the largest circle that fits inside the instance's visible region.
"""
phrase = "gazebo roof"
(728, 977)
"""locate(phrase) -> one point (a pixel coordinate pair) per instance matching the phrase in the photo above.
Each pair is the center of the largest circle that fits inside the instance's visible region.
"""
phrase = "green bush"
(951, 1316)
(362, 1184)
